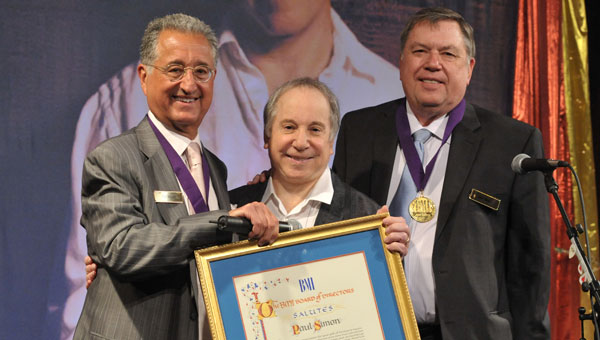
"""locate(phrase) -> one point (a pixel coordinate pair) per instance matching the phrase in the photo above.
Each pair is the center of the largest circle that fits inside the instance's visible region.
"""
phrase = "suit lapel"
(218, 176)
(162, 177)
(466, 139)
(333, 212)
(384, 148)
(160, 173)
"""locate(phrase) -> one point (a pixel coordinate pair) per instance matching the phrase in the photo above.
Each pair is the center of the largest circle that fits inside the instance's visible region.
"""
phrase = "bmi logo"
(306, 284)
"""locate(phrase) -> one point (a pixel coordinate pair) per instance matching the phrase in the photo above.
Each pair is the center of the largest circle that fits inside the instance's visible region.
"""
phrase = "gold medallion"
(422, 209)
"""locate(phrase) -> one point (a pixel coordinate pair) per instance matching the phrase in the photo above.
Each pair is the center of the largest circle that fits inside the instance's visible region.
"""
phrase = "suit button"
(193, 315)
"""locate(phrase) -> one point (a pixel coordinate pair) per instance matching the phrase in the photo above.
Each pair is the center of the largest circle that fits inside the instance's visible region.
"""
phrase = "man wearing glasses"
(148, 196)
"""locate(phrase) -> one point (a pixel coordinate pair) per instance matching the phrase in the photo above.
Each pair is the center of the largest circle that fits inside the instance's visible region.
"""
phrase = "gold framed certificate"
(334, 281)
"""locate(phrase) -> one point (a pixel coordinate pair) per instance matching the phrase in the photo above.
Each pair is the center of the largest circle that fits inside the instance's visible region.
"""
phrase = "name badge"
(484, 199)
(168, 196)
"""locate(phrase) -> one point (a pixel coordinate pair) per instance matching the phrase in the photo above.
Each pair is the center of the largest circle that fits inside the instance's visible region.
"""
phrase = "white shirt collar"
(322, 192)
(177, 141)
(230, 45)
(436, 127)
(343, 41)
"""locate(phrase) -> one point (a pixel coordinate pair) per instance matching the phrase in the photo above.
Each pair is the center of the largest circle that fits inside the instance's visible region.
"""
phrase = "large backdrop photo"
(69, 82)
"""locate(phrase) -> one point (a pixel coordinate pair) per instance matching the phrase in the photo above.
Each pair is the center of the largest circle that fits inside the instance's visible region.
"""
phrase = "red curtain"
(539, 100)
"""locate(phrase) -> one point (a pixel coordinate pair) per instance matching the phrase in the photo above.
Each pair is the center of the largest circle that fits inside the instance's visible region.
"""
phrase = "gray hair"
(271, 107)
(434, 15)
(178, 22)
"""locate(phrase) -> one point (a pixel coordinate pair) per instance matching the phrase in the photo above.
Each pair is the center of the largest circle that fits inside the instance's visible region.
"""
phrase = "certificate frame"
(218, 266)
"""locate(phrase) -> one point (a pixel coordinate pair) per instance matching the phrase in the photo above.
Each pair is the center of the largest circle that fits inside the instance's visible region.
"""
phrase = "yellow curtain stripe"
(577, 102)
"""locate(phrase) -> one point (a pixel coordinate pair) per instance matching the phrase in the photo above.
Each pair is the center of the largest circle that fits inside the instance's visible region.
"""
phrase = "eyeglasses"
(176, 72)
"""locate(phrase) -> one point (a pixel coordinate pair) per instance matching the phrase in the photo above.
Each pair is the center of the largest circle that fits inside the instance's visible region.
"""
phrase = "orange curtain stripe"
(538, 99)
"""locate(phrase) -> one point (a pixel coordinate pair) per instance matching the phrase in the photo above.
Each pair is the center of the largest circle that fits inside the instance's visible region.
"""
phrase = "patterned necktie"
(407, 190)
(194, 160)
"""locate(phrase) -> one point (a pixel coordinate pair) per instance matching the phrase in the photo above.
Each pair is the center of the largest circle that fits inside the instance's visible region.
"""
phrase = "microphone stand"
(591, 284)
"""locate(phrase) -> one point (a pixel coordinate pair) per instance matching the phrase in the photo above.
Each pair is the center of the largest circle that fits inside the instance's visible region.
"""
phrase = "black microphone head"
(516, 163)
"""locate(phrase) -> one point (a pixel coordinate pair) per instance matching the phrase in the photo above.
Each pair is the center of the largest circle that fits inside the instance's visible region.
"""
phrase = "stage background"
(56, 54)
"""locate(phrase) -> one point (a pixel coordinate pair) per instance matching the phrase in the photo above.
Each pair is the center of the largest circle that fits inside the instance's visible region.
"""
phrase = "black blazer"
(346, 203)
(491, 268)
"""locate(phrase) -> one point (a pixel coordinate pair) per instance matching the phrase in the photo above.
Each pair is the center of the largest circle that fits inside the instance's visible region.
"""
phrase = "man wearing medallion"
(148, 196)
(478, 264)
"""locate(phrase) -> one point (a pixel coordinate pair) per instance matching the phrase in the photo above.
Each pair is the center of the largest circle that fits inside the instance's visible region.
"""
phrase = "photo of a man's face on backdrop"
(352, 46)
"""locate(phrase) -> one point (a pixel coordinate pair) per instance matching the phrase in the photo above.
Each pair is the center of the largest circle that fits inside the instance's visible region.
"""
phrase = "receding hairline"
(435, 15)
(270, 110)
(436, 25)
(205, 40)
(302, 87)
(177, 22)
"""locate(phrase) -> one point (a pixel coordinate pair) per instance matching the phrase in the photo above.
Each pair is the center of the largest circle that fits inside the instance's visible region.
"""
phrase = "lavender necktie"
(194, 160)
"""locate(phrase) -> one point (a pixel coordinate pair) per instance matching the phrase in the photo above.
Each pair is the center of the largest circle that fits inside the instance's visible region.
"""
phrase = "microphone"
(522, 164)
(242, 225)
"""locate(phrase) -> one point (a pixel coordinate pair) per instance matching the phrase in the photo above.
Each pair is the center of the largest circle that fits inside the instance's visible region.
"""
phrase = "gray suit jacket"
(491, 268)
(346, 202)
(146, 280)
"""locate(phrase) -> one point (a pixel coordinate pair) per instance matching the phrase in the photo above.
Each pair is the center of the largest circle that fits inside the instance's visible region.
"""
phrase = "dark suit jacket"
(346, 202)
(146, 280)
(491, 268)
